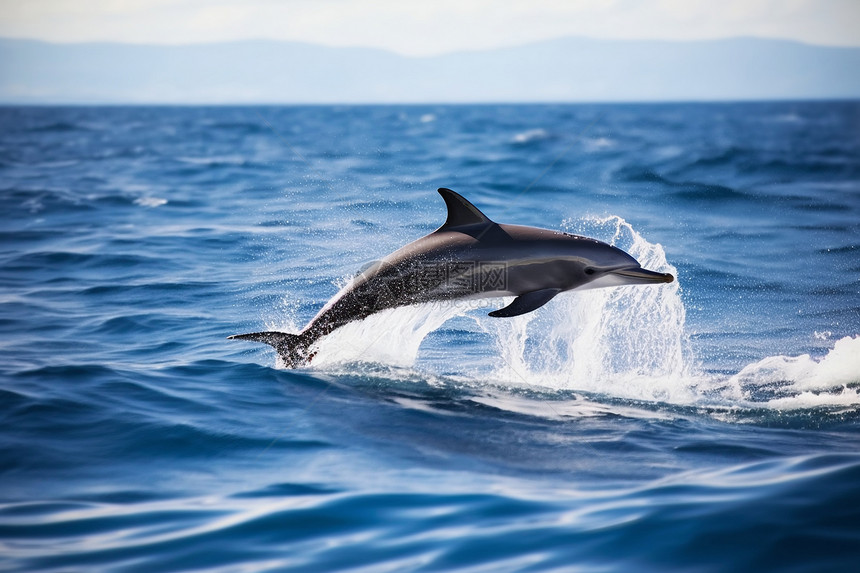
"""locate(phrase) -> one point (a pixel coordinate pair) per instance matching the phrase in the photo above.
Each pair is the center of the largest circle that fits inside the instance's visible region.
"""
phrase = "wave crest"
(788, 382)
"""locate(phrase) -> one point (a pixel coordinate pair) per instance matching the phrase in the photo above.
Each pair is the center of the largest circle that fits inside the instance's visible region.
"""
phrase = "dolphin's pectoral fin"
(526, 303)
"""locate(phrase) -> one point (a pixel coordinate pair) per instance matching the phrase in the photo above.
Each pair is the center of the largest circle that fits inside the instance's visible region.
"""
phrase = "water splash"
(625, 341)
(392, 336)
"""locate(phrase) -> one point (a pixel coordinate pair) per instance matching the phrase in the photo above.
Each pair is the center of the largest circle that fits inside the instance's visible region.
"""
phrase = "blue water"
(708, 425)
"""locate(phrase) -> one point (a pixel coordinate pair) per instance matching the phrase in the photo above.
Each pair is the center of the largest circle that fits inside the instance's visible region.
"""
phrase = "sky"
(428, 27)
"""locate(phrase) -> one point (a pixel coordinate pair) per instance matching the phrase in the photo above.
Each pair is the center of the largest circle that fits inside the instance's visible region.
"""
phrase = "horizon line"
(727, 101)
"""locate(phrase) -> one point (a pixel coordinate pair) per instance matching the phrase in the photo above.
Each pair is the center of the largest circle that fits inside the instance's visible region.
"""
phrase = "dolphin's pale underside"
(469, 256)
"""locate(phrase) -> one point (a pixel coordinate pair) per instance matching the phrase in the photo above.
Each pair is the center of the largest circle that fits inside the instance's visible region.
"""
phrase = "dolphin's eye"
(589, 271)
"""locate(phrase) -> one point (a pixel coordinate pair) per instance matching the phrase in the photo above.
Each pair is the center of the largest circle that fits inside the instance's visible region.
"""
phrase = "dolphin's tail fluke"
(293, 348)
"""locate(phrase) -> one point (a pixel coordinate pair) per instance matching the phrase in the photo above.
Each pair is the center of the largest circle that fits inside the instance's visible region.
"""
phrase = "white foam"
(150, 201)
(840, 367)
(802, 381)
(597, 143)
(847, 397)
(530, 135)
(214, 160)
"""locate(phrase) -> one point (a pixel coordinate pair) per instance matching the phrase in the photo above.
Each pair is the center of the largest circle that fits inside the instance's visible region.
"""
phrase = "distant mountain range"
(562, 70)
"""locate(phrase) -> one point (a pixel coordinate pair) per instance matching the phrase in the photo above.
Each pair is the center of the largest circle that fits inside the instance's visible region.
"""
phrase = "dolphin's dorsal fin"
(460, 211)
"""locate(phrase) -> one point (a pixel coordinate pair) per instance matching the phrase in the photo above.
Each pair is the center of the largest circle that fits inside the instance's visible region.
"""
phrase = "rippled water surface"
(711, 424)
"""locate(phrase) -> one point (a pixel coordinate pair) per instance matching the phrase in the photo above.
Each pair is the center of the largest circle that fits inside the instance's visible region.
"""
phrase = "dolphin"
(469, 256)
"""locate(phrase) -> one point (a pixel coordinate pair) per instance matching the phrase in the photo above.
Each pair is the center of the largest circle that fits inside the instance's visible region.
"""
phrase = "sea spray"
(392, 336)
(625, 341)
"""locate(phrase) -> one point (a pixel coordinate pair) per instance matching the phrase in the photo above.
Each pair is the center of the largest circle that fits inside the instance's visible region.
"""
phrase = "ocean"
(710, 424)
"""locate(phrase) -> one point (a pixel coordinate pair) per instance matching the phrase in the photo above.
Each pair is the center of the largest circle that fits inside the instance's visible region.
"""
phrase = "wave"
(59, 127)
(598, 143)
(695, 191)
(441, 524)
(150, 201)
(44, 201)
(788, 382)
(217, 161)
(47, 201)
(726, 156)
(241, 127)
(40, 260)
(687, 190)
(530, 136)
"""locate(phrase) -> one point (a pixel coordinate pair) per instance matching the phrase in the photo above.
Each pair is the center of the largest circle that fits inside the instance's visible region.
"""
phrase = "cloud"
(428, 27)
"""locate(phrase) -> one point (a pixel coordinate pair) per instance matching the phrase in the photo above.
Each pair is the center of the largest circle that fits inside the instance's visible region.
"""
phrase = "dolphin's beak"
(638, 275)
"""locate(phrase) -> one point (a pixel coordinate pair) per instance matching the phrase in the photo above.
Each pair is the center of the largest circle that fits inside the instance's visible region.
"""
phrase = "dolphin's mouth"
(638, 275)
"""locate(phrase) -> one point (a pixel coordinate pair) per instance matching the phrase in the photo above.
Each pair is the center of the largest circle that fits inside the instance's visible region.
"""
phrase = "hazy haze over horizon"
(447, 26)
(565, 70)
